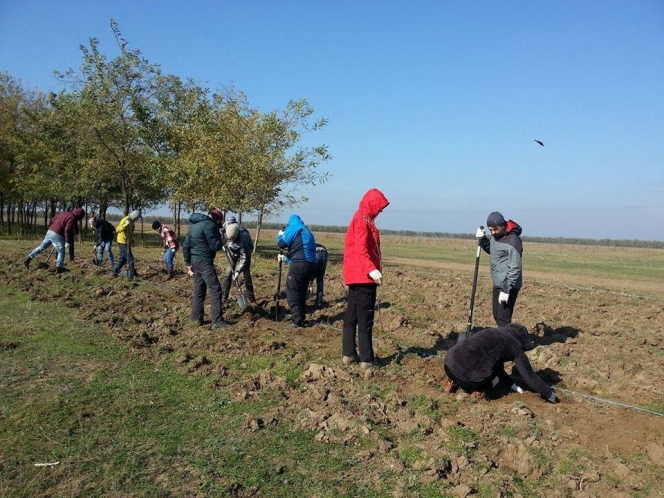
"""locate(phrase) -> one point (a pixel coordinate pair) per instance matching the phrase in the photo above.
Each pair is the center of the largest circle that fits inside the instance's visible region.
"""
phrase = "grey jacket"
(505, 258)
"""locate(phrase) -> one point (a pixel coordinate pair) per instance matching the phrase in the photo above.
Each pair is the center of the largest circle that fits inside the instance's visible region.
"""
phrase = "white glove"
(281, 233)
(190, 271)
(480, 233)
(281, 257)
(551, 398)
(516, 389)
(173, 250)
(235, 275)
(376, 275)
(66, 245)
(503, 297)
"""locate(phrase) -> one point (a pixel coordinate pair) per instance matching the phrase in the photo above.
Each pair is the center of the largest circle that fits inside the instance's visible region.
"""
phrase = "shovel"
(241, 298)
(130, 272)
(44, 266)
(467, 334)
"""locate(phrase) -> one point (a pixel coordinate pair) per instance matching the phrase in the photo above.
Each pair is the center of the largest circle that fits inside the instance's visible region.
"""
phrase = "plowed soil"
(597, 340)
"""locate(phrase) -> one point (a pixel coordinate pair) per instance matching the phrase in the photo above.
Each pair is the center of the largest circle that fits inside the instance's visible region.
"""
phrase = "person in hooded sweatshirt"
(477, 364)
(199, 249)
(301, 256)
(505, 250)
(362, 274)
(60, 234)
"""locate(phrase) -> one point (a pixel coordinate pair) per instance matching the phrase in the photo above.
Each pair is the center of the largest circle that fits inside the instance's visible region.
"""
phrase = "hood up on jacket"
(79, 213)
(520, 333)
(295, 221)
(373, 202)
(198, 217)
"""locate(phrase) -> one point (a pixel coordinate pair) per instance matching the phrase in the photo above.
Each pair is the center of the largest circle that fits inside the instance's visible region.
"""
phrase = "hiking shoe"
(26, 263)
(294, 326)
(61, 269)
(114, 275)
(366, 365)
(347, 360)
(220, 325)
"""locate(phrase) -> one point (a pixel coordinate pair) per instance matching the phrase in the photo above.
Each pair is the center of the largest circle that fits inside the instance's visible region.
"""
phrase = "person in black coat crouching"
(477, 364)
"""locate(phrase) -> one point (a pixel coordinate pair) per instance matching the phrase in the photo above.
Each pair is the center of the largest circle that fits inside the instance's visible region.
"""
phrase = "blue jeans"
(125, 257)
(169, 256)
(58, 241)
(106, 245)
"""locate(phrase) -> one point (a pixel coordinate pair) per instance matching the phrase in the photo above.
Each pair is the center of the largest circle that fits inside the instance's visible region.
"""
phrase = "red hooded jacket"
(362, 246)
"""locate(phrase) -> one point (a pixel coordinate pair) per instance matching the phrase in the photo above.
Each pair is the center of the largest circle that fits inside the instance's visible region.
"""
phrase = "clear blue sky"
(436, 103)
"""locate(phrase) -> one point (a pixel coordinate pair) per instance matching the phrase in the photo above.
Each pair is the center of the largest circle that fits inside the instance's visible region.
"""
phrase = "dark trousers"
(299, 276)
(502, 312)
(246, 276)
(205, 277)
(359, 316)
(471, 386)
(125, 257)
(321, 268)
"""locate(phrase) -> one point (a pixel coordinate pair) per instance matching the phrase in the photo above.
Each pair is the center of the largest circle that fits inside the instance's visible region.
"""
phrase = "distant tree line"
(123, 134)
(443, 235)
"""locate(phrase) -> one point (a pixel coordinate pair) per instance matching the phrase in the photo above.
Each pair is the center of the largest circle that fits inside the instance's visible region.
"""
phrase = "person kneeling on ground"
(477, 364)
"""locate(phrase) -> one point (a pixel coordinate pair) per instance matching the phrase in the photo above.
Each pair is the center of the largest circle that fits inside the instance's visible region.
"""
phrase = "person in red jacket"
(60, 234)
(362, 275)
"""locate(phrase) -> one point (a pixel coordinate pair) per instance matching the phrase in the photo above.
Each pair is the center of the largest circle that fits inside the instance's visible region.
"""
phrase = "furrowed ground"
(109, 378)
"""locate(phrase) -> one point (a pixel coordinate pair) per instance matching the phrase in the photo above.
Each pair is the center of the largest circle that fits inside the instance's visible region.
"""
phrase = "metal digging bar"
(278, 293)
(467, 334)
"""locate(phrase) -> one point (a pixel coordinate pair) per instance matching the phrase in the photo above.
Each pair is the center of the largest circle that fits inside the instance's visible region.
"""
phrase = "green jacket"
(203, 240)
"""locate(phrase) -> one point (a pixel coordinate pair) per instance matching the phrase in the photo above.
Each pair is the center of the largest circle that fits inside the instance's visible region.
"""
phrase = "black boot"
(26, 263)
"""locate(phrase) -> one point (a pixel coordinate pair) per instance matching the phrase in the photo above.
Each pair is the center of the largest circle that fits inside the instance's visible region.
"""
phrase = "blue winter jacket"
(299, 241)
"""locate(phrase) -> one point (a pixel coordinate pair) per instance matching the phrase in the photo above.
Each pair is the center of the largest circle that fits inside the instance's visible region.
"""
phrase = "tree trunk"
(259, 224)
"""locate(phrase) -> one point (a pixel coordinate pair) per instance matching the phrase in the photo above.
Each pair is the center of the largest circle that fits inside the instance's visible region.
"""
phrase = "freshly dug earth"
(595, 341)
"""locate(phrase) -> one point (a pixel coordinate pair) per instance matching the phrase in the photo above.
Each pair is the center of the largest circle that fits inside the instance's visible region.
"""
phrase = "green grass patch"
(120, 426)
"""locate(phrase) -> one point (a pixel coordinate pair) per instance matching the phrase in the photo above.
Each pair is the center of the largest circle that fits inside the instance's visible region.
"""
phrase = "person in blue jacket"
(301, 256)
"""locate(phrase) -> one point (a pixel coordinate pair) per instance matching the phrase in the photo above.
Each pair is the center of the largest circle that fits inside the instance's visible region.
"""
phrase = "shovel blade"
(242, 302)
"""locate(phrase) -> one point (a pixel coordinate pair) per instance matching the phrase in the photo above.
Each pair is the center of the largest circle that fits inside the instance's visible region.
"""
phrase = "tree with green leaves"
(113, 96)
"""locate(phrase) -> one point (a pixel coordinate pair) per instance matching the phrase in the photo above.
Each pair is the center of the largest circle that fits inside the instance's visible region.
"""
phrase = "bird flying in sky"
(539, 142)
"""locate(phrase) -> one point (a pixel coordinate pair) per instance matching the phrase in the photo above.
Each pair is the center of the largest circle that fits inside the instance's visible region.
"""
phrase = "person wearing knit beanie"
(505, 249)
